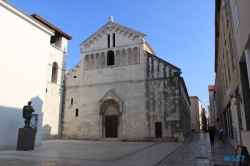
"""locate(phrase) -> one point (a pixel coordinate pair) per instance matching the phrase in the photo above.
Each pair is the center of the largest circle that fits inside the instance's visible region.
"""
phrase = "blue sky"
(180, 32)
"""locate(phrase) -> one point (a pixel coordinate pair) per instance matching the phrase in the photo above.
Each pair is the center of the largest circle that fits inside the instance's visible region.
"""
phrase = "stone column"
(247, 55)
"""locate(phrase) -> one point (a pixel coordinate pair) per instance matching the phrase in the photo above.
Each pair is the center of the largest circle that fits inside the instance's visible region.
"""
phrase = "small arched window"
(108, 40)
(54, 72)
(110, 58)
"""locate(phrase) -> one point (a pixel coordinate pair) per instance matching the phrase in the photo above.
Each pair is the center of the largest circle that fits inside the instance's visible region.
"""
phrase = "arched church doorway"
(111, 126)
(110, 117)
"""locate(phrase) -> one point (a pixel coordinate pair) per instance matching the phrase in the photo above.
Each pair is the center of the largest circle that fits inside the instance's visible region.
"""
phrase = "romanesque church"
(120, 89)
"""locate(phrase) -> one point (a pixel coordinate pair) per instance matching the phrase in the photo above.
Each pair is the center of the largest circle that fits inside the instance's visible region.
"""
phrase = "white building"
(121, 89)
(196, 114)
(25, 53)
(212, 108)
(56, 68)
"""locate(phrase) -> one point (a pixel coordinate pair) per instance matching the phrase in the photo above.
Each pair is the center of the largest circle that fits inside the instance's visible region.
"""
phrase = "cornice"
(112, 27)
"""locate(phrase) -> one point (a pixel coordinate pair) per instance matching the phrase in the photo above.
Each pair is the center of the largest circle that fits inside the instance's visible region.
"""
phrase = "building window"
(74, 76)
(76, 112)
(110, 58)
(108, 40)
(113, 40)
(236, 16)
(54, 72)
(46, 90)
(71, 102)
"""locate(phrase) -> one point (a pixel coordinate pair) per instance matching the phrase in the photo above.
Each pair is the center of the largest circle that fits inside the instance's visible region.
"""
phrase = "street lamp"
(230, 93)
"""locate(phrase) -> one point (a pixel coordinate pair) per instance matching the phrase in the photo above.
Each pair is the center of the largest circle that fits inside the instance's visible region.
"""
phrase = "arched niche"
(54, 72)
(110, 58)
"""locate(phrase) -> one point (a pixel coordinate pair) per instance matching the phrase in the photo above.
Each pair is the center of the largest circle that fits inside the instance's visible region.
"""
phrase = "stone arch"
(86, 62)
(102, 60)
(97, 60)
(126, 32)
(130, 56)
(54, 72)
(92, 61)
(136, 54)
(136, 36)
(118, 57)
(124, 59)
(131, 34)
(110, 103)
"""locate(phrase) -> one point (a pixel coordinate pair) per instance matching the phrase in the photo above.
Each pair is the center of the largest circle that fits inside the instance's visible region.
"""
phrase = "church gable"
(112, 35)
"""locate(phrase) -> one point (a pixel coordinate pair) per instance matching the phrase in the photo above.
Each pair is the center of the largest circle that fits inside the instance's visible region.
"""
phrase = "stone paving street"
(197, 151)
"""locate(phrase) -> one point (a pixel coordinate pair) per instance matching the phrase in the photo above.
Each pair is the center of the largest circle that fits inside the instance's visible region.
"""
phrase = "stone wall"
(53, 96)
(149, 91)
(164, 99)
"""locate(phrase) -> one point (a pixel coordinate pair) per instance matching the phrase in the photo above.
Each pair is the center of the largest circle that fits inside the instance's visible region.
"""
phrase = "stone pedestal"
(26, 139)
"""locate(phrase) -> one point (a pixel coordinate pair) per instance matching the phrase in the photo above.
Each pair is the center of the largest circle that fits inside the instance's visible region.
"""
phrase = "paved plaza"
(195, 151)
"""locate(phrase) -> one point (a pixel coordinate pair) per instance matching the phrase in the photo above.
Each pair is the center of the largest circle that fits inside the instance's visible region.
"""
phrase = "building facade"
(56, 68)
(212, 108)
(232, 69)
(196, 114)
(39, 79)
(24, 59)
(120, 89)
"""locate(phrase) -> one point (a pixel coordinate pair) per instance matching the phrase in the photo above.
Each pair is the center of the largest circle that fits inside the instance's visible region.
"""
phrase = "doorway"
(111, 127)
(158, 130)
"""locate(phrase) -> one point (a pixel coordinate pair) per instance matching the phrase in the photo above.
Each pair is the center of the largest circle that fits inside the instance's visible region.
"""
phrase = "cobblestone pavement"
(197, 151)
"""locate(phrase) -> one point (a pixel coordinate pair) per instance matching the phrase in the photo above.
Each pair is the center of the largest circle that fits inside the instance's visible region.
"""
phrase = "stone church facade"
(121, 89)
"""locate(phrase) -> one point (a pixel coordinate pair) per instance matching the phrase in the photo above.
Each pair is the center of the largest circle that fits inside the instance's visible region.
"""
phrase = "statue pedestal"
(26, 139)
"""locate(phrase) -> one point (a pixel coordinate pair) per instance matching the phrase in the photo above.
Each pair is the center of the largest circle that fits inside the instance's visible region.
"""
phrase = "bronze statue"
(27, 114)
